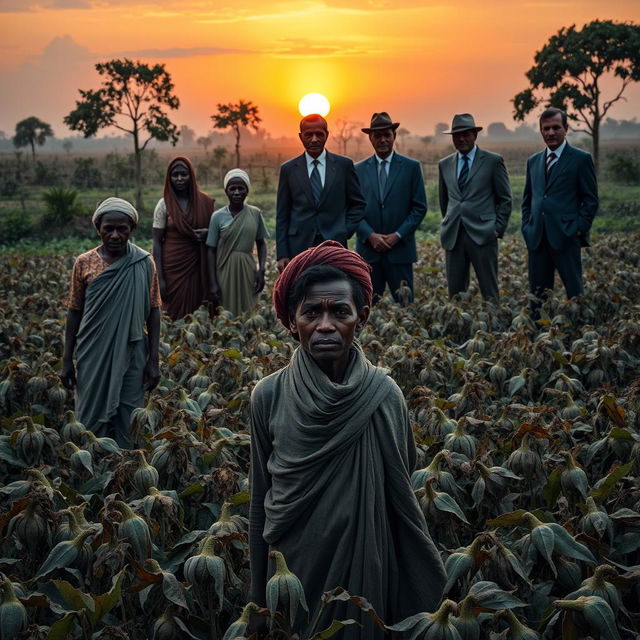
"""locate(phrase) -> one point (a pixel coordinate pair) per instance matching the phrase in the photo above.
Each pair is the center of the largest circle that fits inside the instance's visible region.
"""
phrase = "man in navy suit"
(559, 203)
(396, 204)
(319, 195)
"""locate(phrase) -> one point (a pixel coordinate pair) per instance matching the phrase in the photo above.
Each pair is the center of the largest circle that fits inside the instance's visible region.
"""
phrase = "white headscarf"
(237, 173)
(115, 205)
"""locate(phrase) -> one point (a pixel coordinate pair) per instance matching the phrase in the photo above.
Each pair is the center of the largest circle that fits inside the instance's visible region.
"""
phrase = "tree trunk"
(596, 143)
(138, 170)
(237, 129)
(33, 152)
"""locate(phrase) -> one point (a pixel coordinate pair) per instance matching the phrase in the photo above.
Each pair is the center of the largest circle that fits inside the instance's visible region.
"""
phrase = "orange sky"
(420, 60)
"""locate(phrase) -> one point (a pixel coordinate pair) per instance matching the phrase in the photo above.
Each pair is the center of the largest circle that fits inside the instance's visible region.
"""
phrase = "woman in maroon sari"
(180, 225)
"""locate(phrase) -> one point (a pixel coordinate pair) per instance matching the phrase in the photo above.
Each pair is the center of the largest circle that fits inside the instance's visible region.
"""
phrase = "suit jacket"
(483, 205)
(298, 218)
(403, 206)
(564, 205)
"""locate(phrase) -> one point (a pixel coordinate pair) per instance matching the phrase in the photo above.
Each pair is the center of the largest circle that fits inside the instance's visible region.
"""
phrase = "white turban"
(115, 205)
(237, 173)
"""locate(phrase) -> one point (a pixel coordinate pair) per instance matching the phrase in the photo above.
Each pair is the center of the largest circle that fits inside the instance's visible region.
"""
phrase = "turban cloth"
(115, 205)
(239, 174)
(330, 253)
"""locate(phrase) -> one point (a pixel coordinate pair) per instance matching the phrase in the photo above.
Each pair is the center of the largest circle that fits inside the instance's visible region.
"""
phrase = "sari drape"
(184, 257)
(235, 263)
(330, 486)
(111, 345)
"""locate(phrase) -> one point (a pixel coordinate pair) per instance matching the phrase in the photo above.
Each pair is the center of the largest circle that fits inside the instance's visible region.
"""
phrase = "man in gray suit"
(475, 201)
(318, 197)
(393, 186)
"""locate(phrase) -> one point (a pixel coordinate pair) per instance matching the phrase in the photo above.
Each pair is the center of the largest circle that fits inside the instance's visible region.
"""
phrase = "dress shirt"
(322, 164)
(557, 151)
(388, 159)
(470, 158)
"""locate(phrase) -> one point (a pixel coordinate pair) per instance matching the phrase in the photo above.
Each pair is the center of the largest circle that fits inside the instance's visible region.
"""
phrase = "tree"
(343, 131)
(219, 154)
(131, 98)
(31, 132)
(187, 136)
(67, 145)
(233, 116)
(204, 142)
(569, 68)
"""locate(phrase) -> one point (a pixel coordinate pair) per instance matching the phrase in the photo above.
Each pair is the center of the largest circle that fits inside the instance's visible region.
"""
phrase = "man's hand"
(151, 375)
(68, 375)
(379, 242)
(282, 263)
(391, 239)
(259, 283)
(163, 287)
(201, 234)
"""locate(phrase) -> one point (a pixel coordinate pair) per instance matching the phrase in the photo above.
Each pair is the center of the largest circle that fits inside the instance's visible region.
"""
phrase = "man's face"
(382, 141)
(553, 131)
(326, 321)
(463, 141)
(313, 136)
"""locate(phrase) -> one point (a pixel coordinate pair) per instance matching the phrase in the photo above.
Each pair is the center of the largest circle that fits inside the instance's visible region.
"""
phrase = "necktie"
(382, 178)
(316, 183)
(464, 172)
(551, 162)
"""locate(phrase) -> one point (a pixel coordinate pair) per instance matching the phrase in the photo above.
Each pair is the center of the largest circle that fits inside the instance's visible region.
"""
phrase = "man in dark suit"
(559, 203)
(393, 186)
(475, 202)
(319, 195)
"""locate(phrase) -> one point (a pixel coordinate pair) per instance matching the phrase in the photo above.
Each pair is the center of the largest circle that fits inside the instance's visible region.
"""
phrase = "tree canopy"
(568, 73)
(132, 98)
(31, 132)
(233, 116)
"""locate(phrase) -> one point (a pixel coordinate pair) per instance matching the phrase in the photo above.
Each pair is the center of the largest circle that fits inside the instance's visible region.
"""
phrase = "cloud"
(302, 48)
(178, 52)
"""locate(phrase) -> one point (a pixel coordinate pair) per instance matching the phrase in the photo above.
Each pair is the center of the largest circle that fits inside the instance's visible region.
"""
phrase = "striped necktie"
(382, 178)
(464, 172)
(552, 159)
(316, 183)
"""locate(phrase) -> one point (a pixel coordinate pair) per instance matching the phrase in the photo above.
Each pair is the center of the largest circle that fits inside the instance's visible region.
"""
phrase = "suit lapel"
(453, 173)
(394, 169)
(561, 165)
(329, 175)
(302, 175)
(372, 172)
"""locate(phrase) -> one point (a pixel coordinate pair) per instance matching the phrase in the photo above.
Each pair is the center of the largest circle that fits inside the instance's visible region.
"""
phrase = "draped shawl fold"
(235, 264)
(330, 489)
(117, 304)
(184, 258)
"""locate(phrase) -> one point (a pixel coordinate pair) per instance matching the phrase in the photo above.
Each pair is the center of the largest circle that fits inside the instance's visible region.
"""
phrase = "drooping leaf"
(333, 628)
(616, 474)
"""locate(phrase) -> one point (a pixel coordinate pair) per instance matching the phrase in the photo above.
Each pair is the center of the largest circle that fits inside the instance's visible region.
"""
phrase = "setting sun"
(314, 103)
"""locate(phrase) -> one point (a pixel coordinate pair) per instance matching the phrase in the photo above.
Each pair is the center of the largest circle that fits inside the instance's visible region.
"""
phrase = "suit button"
(382, 206)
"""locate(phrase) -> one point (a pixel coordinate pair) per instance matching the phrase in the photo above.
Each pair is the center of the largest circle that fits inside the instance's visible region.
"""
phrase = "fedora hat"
(380, 121)
(462, 122)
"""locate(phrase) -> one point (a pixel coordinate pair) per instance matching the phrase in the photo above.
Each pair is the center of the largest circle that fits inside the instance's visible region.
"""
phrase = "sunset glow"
(314, 103)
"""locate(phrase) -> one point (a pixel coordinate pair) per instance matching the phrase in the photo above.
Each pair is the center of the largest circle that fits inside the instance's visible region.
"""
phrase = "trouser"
(484, 259)
(544, 261)
(396, 276)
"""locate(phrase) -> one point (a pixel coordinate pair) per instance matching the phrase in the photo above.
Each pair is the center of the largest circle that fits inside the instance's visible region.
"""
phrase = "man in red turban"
(332, 451)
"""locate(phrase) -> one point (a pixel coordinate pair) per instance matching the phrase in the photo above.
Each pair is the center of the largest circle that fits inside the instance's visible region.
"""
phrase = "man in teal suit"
(393, 187)
(559, 203)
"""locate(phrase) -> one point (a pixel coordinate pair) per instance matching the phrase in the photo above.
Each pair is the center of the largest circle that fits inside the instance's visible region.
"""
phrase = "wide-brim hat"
(381, 121)
(463, 122)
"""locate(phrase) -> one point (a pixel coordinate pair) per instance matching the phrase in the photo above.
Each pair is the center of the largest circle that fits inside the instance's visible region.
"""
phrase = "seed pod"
(573, 479)
(165, 628)
(209, 396)
(134, 530)
(13, 615)
(444, 479)
(496, 479)
(36, 388)
(498, 374)
(29, 441)
(439, 426)
(69, 553)
(596, 522)
(204, 569)
(31, 529)
(462, 563)
(524, 461)
(145, 476)
(597, 585)
(80, 460)
(438, 506)
(145, 419)
(72, 429)
(228, 524)
(596, 612)
(569, 574)
(466, 622)
(461, 442)
(57, 397)
(518, 630)
(238, 628)
(284, 590)
(571, 410)
(100, 446)
(200, 379)
(189, 405)
(68, 529)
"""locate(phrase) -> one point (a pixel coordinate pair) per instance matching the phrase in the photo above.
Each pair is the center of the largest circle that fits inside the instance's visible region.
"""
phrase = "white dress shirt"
(557, 151)
(322, 165)
(471, 156)
(388, 159)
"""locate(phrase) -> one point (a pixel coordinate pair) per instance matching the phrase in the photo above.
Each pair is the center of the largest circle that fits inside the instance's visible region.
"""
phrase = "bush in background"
(61, 206)
(623, 168)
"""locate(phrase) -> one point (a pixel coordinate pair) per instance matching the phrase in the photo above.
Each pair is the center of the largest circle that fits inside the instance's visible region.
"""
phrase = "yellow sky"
(422, 61)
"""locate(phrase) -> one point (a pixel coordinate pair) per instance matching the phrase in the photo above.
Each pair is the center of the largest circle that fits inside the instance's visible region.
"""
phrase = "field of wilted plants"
(529, 442)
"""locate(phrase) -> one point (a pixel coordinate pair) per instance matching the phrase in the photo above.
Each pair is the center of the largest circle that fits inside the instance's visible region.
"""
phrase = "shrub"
(14, 226)
(45, 175)
(623, 168)
(61, 206)
(86, 175)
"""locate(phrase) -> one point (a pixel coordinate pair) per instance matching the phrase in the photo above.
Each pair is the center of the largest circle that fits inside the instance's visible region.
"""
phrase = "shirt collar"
(557, 151)
(388, 158)
(471, 155)
(322, 158)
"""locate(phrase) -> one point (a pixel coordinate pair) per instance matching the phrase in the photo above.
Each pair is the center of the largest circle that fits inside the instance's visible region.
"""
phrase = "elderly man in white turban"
(114, 295)
(234, 279)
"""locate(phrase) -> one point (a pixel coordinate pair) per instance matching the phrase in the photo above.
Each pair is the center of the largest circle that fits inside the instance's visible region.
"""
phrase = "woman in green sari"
(233, 278)
(114, 295)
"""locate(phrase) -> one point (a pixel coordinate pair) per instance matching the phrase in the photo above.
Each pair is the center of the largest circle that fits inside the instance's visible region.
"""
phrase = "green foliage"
(46, 174)
(569, 68)
(85, 174)
(61, 207)
(623, 168)
(31, 132)
(14, 226)
(234, 116)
